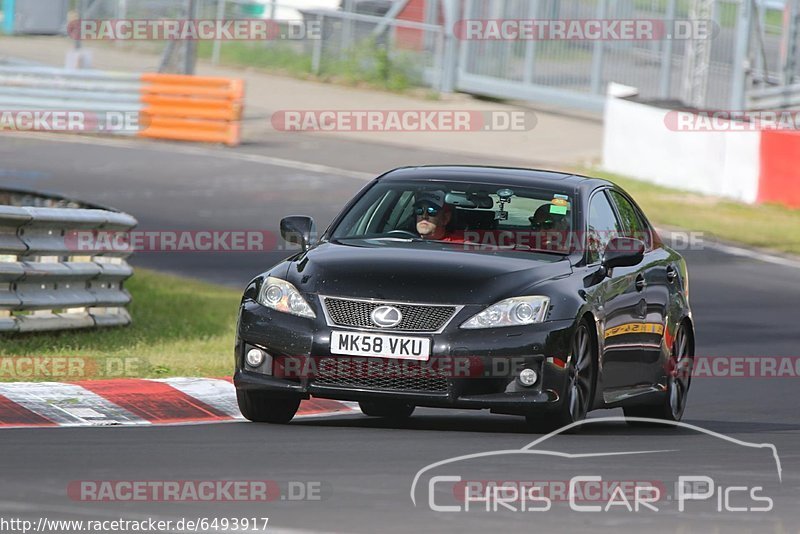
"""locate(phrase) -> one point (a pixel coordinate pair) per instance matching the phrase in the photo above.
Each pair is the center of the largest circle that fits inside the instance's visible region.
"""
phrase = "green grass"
(365, 64)
(180, 327)
(276, 57)
(765, 226)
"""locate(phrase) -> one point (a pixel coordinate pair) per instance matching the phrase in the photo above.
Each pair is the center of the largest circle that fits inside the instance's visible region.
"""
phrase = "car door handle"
(672, 274)
(640, 283)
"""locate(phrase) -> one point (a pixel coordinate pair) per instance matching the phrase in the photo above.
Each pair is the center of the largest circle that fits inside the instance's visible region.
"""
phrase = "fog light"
(255, 357)
(528, 377)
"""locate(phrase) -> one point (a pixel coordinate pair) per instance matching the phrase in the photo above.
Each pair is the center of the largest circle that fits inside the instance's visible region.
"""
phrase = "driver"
(553, 228)
(432, 215)
(543, 220)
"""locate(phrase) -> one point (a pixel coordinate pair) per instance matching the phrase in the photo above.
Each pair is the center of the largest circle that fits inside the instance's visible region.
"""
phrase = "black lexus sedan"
(524, 292)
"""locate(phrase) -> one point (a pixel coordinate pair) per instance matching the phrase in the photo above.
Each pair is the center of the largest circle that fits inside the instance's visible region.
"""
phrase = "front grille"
(416, 317)
(384, 375)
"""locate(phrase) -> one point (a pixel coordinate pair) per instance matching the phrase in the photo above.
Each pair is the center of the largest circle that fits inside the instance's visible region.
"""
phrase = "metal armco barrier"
(166, 106)
(45, 283)
(772, 98)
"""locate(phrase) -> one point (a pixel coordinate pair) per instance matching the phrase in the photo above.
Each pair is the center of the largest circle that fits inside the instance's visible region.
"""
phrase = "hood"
(420, 274)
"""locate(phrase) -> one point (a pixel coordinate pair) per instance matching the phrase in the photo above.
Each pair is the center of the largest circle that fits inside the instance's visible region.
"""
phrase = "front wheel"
(261, 408)
(679, 379)
(388, 410)
(579, 391)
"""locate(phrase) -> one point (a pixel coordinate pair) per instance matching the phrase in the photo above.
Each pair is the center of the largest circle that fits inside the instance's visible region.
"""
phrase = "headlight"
(511, 312)
(282, 296)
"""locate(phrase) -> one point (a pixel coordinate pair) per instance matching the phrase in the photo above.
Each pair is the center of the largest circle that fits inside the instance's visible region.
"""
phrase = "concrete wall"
(638, 142)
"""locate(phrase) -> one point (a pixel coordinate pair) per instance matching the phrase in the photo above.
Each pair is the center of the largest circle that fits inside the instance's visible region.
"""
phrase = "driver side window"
(632, 223)
(602, 226)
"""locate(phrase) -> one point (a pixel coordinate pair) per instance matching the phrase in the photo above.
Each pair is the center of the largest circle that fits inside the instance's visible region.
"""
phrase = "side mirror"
(298, 230)
(623, 252)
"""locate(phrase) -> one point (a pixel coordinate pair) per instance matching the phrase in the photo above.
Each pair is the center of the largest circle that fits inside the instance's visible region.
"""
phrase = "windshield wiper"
(408, 239)
(479, 247)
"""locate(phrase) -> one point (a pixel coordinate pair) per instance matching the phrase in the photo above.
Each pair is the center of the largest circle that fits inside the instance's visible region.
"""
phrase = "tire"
(261, 408)
(579, 391)
(672, 406)
(389, 410)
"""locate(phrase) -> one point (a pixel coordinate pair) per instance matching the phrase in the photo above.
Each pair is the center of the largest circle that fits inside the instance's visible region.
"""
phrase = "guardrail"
(46, 284)
(161, 106)
(775, 97)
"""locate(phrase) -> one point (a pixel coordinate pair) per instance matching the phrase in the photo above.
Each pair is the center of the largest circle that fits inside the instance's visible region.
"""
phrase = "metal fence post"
(316, 52)
(665, 74)
(431, 17)
(347, 27)
(190, 46)
(597, 53)
(694, 81)
(450, 59)
(466, 48)
(789, 46)
(218, 42)
(760, 65)
(122, 14)
(530, 46)
(81, 14)
(741, 66)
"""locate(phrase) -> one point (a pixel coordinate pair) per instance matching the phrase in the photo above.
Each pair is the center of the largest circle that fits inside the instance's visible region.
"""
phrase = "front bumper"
(473, 369)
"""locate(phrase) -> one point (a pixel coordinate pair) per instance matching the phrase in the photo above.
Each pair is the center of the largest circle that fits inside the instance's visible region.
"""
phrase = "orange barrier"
(779, 180)
(192, 108)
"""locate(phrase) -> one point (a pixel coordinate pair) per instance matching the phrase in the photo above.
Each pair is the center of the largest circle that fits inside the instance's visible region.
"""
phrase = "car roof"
(500, 176)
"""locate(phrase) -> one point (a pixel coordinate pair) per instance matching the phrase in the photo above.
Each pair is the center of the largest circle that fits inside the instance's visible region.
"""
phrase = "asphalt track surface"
(743, 307)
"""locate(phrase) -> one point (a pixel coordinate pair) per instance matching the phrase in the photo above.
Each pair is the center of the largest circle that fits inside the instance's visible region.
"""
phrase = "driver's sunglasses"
(432, 211)
(546, 224)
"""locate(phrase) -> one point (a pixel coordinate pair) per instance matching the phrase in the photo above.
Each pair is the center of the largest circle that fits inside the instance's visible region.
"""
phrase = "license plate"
(380, 346)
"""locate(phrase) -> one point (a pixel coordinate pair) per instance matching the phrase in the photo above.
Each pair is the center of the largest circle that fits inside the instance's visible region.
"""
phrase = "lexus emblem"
(386, 316)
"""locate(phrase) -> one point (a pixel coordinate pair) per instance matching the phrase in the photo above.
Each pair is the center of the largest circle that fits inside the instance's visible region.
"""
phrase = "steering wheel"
(402, 233)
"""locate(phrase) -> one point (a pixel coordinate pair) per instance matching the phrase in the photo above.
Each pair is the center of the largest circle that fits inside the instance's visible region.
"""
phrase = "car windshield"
(460, 215)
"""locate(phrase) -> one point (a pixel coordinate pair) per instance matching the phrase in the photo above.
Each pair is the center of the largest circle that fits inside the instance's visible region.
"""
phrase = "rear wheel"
(386, 409)
(679, 379)
(261, 408)
(579, 391)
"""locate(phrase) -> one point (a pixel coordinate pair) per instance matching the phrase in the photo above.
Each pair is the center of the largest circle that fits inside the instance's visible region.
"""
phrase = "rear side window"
(633, 224)
(602, 227)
